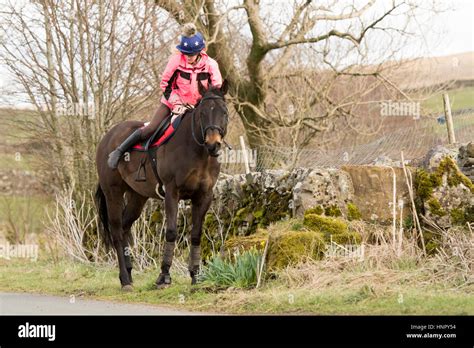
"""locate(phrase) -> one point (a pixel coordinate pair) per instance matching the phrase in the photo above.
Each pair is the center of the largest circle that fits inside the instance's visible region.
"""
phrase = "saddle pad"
(167, 134)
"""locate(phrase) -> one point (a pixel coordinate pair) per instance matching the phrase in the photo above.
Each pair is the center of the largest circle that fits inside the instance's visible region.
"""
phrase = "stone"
(470, 149)
(328, 187)
(436, 154)
(373, 191)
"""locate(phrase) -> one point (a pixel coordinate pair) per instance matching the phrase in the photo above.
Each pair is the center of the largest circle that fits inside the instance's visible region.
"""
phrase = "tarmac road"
(35, 304)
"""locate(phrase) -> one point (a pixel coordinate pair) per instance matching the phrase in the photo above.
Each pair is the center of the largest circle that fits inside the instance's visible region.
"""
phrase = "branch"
(333, 33)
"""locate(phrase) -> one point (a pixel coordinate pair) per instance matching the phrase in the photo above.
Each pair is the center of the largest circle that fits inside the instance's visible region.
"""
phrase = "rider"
(179, 84)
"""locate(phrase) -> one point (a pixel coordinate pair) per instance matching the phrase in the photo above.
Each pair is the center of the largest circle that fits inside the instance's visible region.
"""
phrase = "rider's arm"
(169, 75)
(216, 77)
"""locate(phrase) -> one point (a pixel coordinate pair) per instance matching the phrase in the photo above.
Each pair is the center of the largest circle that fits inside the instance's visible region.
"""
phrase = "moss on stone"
(435, 207)
(332, 210)
(426, 183)
(318, 210)
(292, 247)
(457, 216)
(353, 213)
(454, 175)
(325, 224)
(345, 238)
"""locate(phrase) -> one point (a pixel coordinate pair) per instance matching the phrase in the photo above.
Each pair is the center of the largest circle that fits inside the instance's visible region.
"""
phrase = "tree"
(262, 46)
(84, 65)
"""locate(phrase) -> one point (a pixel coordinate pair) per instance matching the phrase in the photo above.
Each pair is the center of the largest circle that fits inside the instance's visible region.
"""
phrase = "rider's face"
(191, 59)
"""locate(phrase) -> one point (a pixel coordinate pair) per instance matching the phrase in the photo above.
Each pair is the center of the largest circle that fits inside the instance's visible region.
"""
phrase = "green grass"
(10, 125)
(26, 213)
(461, 98)
(15, 160)
(99, 282)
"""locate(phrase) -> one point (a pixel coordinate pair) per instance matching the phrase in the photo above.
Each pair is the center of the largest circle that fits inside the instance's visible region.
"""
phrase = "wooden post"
(245, 155)
(449, 118)
(394, 207)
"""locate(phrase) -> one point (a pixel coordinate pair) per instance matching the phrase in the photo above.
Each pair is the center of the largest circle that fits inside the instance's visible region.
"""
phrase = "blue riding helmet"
(191, 45)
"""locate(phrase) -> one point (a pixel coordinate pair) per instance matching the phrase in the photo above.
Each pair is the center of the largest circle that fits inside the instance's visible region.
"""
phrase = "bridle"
(204, 130)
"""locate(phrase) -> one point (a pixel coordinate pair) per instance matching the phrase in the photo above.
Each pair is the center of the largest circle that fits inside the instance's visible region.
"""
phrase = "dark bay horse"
(188, 168)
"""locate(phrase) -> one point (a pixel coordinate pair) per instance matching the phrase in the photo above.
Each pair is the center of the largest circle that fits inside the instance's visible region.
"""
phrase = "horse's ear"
(225, 87)
(201, 88)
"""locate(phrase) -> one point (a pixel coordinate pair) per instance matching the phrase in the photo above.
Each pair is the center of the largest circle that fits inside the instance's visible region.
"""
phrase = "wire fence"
(415, 141)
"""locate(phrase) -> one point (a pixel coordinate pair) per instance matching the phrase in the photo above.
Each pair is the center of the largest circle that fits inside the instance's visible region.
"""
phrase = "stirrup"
(160, 191)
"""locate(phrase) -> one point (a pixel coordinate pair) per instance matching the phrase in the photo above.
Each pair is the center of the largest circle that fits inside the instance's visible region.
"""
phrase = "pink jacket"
(179, 81)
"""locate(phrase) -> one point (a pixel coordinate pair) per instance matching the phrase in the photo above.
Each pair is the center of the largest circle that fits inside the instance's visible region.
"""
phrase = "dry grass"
(386, 267)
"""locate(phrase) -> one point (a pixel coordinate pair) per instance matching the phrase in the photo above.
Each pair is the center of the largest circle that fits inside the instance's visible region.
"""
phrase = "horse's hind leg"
(131, 213)
(200, 207)
(114, 198)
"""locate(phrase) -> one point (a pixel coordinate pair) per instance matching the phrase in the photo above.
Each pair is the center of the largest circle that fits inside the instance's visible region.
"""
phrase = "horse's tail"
(104, 229)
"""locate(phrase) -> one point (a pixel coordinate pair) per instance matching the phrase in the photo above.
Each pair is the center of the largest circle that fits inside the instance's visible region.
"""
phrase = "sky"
(447, 33)
(455, 28)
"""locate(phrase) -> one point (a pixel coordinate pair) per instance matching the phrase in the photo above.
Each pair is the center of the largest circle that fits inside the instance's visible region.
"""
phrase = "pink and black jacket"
(180, 79)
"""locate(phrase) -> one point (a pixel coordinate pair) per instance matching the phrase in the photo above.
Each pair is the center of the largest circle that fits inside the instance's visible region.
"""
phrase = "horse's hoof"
(127, 288)
(163, 281)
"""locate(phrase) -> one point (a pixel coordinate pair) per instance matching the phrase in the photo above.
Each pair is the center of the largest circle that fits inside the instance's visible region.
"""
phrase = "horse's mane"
(213, 90)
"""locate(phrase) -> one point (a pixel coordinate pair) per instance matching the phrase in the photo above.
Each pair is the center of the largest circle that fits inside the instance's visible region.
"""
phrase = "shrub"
(353, 213)
(239, 270)
(292, 247)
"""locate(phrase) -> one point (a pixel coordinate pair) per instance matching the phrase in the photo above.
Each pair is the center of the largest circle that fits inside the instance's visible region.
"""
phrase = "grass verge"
(67, 278)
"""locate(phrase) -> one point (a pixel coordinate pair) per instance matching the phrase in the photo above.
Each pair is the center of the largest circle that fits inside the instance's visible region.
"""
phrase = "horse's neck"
(192, 140)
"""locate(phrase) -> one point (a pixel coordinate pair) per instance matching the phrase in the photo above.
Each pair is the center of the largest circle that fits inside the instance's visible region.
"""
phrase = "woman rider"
(179, 84)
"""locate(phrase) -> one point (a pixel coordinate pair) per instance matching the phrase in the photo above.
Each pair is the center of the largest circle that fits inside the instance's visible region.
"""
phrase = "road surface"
(34, 304)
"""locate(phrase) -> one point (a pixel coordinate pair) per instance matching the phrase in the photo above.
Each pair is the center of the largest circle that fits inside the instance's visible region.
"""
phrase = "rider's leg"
(139, 134)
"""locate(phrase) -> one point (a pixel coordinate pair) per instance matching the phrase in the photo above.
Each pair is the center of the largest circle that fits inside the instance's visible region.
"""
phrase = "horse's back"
(111, 140)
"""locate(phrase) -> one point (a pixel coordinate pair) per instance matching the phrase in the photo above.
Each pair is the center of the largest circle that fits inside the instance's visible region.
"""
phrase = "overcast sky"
(454, 28)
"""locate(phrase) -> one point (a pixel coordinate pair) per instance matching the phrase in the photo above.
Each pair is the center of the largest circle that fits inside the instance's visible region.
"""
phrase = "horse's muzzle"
(214, 149)
(213, 141)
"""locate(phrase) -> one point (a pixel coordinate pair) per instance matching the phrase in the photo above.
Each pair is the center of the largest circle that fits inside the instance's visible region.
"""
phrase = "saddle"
(161, 136)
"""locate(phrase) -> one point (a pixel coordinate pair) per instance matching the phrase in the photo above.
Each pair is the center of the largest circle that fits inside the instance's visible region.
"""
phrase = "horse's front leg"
(171, 211)
(200, 207)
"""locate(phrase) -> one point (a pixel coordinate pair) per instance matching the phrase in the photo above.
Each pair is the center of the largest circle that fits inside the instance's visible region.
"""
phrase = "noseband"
(204, 130)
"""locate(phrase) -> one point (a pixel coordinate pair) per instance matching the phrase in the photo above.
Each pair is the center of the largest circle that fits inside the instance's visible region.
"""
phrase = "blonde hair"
(188, 30)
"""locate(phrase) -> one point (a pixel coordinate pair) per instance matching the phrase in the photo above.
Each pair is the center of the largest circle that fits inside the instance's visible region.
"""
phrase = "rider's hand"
(179, 109)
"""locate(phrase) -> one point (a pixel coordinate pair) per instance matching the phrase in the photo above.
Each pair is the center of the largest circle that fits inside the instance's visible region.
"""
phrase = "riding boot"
(114, 156)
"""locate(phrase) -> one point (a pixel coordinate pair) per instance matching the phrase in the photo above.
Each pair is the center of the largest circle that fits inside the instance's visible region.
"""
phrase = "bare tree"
(85, 65)
(271, 52)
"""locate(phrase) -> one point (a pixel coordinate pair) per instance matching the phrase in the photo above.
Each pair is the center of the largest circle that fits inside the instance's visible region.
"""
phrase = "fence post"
(245, 155)
(449, 118)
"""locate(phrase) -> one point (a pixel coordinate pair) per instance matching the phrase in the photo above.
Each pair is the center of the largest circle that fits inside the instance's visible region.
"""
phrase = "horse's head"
(213, 117)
